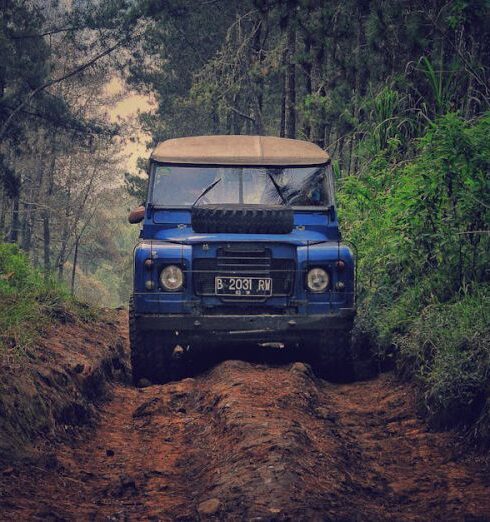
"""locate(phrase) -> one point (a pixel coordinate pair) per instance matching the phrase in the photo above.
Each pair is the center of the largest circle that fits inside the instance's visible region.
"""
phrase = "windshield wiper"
(277, 187)
(205, 191)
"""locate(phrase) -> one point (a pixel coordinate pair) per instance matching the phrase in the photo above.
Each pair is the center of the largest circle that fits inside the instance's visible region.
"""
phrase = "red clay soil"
(54, 387)
(248, 441)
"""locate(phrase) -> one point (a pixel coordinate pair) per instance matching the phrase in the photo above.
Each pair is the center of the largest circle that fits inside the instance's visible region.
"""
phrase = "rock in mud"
(301, 369)
(50, 515)
(49, 461)
(78, 368)
(209, 507)
(325, 414)
(148, 408)
(125, 487)
(144, 383)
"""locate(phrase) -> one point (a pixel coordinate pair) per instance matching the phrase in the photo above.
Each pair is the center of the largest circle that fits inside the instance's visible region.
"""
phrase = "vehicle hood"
(175, 226)
(187, 236)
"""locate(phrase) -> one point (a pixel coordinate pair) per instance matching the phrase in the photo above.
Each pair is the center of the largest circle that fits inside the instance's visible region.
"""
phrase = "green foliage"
(29, 302)
(421, 228)
(448, 349)
(440, 85)
(16, 274)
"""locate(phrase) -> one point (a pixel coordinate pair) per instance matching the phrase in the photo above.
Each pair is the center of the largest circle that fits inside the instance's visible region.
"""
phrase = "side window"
(329, 185)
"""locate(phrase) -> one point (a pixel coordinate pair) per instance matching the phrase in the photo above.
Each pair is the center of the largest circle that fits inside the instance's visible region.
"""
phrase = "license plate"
(243, 286)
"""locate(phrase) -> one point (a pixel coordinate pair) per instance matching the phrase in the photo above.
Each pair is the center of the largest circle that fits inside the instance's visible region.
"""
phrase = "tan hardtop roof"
(239, 150)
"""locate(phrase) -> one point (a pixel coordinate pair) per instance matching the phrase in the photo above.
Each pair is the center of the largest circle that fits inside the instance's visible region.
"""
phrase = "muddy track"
(249, 441)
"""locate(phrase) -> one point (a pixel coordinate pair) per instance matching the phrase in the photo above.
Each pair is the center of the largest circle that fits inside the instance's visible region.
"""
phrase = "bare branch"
(50, 32)
(55, 81)
(242, 114)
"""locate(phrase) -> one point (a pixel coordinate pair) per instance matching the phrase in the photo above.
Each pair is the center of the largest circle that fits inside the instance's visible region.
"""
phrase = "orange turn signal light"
(340, 265)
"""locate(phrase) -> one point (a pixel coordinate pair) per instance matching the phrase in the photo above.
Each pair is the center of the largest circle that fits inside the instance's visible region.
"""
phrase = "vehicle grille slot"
(256, 263)
(251, 262)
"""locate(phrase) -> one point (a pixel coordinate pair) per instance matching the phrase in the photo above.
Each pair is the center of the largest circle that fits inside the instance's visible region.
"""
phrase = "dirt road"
(249, 441)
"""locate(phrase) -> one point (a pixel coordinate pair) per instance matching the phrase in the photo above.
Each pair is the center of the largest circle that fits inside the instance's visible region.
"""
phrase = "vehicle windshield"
(179, 185)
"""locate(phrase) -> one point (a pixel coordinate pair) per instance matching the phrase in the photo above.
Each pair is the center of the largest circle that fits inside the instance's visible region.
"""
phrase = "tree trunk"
(27, 229)
(215, 119)
(282, 125)
(320, 72)
(258, 57)
(3, 213)
(31, 196)
(340, 155)
(351, 148)
(15, 223)
(46, 215)
(307, 71)
(235, 117)
(65, 231)
(74, 268)
(359, 82)
(291, 81)
(46, 243)
(64, 242)
(470, 87)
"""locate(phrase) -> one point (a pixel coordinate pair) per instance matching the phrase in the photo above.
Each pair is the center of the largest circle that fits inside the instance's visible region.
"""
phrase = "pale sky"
(127, 109)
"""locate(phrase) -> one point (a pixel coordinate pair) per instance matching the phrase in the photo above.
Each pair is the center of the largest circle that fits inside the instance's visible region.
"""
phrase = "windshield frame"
(323, 208)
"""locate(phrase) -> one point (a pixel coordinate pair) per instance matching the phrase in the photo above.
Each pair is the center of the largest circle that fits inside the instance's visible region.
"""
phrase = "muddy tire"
(332, 357)
(151, 354)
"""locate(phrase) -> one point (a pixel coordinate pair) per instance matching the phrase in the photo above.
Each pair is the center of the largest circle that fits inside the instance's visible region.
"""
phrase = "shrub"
(447, 349)
(16, 275)
(421, 229)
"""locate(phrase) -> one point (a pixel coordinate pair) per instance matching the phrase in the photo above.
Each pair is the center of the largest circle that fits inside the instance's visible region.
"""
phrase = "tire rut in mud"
(248, 441)
(262, 443)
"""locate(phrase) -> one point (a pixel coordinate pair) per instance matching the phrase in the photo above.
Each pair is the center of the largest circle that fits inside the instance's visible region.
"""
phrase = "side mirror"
(136, 215)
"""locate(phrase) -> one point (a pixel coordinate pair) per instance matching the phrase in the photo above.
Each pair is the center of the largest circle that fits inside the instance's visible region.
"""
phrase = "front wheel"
(332, 356)
(152, 354)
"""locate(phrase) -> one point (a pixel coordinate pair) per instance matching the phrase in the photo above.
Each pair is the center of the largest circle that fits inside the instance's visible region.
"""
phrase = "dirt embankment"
(53, 389)
(249, 441)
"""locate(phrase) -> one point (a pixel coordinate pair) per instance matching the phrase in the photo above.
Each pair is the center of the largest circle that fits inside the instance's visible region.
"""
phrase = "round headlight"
(172, 278)
(317, 280)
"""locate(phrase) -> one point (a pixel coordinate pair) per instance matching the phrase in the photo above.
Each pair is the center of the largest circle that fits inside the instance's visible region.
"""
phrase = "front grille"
(251, 262)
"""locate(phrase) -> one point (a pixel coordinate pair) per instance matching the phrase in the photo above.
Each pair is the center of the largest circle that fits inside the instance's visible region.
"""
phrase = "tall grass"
(447, 348)
(29, 302)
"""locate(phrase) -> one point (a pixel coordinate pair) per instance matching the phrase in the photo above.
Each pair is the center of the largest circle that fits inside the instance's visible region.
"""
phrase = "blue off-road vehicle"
(240, 244)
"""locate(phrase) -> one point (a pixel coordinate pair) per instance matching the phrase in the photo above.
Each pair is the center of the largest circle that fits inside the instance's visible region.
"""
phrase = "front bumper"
(248, 327)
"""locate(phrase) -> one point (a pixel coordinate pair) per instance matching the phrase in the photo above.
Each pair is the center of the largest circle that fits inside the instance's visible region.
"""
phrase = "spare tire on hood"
(242, 219)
